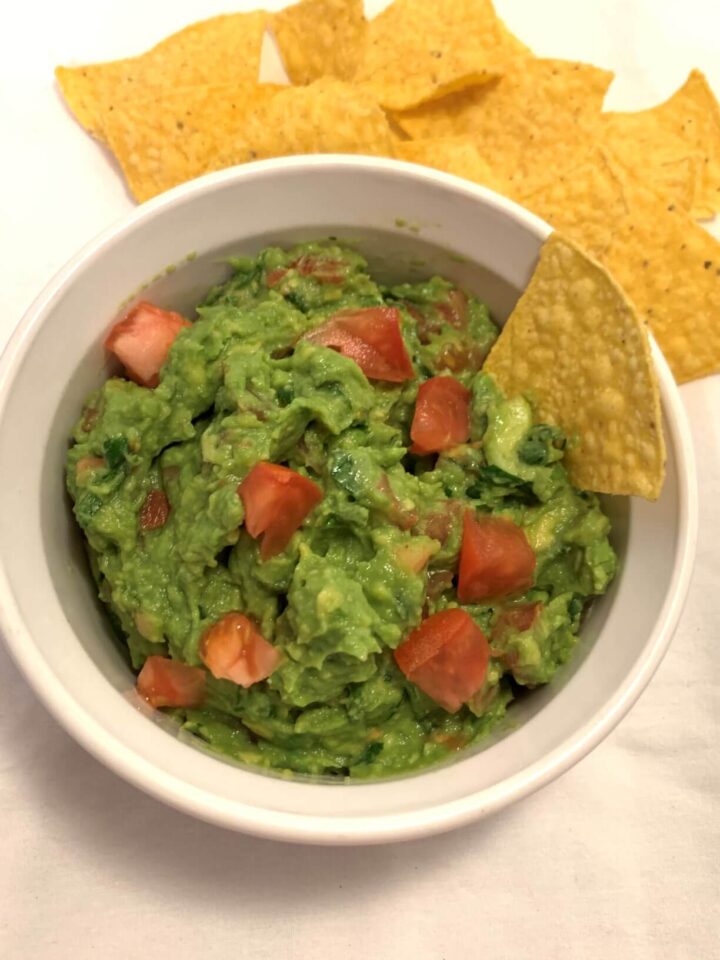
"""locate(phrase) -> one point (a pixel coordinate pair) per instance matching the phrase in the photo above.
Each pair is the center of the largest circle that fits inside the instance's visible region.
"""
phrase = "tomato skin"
(163, 682)
(520, 618)
(234, 649)
(455, 309)
(142, 339)
(154, 511)
(370, 336)
(496, 559)
(276, 501)
(447, 657)
(442, 416)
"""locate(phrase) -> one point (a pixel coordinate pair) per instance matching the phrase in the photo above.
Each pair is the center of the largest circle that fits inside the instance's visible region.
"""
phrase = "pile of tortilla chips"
(442, 83)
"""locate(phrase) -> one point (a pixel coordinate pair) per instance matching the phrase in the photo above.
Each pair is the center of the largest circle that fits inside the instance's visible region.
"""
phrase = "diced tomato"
(413, 309)
(142, 339)
(430, 317)
(455, 309)
(234, 649)
(447, 657)
(460, 356)
(168, 683)
(324, 270)
(154, 511)
(273, 277)
(372, 338)
(276, 501)
(521, 617)
(496, 559)
(86, 465)
(442, 415)
(440, 522)
(413, 556)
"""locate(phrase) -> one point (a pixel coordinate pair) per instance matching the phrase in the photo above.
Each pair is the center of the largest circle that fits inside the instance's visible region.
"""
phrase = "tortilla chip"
(84, 89)
(688, 124)
(526, 123)
(576, 347)
(222, 50)
(165, 140)
(320, 38)
(670, 268)
(419, 50)
(532, 96)
(586, 203)
(457, 155)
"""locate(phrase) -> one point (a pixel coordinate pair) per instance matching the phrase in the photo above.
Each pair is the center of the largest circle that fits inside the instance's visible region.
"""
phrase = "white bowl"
(408, 221)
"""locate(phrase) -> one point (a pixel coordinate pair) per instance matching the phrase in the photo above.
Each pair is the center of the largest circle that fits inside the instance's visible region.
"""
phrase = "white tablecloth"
(618, 859)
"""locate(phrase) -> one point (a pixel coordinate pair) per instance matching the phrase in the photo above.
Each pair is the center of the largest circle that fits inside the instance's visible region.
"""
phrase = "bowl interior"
(409, 224)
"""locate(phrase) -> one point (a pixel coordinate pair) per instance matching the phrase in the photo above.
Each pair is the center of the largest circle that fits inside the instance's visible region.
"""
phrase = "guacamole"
(269, 376)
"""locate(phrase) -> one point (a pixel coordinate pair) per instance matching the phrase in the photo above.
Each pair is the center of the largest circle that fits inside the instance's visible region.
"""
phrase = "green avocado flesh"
(241, 385)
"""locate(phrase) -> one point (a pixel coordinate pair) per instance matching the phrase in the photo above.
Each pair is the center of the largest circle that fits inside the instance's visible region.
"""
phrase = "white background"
(619, 859)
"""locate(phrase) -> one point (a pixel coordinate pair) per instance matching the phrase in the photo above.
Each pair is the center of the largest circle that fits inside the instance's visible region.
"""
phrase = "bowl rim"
(370, 828)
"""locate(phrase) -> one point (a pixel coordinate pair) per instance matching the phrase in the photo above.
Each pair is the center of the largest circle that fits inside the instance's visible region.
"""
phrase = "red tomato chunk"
(372, 338)
(322, 270)
(455, 309)
(496, 559)
(234, 649)
(276, 501)
(168, 683)
(142, 339)
(447, 657)
(154, 511)
(520, 618)
(442, 416)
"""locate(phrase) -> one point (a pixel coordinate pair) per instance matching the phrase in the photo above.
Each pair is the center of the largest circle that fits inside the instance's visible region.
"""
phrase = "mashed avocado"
(241, 385)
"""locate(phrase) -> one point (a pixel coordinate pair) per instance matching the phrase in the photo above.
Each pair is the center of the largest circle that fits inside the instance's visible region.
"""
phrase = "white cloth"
(620, 858)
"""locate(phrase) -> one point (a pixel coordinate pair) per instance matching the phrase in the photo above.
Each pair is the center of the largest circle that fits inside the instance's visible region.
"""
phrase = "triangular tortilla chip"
(670, 268)
(526, 123)
(687, 124)
(166, 140)
(222, 50)
(575, 346)
(320, 38)
(419, 50)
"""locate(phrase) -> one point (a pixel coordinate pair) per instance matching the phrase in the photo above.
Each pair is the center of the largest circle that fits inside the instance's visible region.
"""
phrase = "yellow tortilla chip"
(675, 176)
(688, 124)
(419, 50)
(526, 122)
(222, 50)
(165, 140)
(585, 202)
(576, 347)
(670, 268)
(457, 155)
(320, 38)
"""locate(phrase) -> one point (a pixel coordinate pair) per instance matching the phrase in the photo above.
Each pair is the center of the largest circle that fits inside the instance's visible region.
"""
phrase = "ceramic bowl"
(409, 222)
